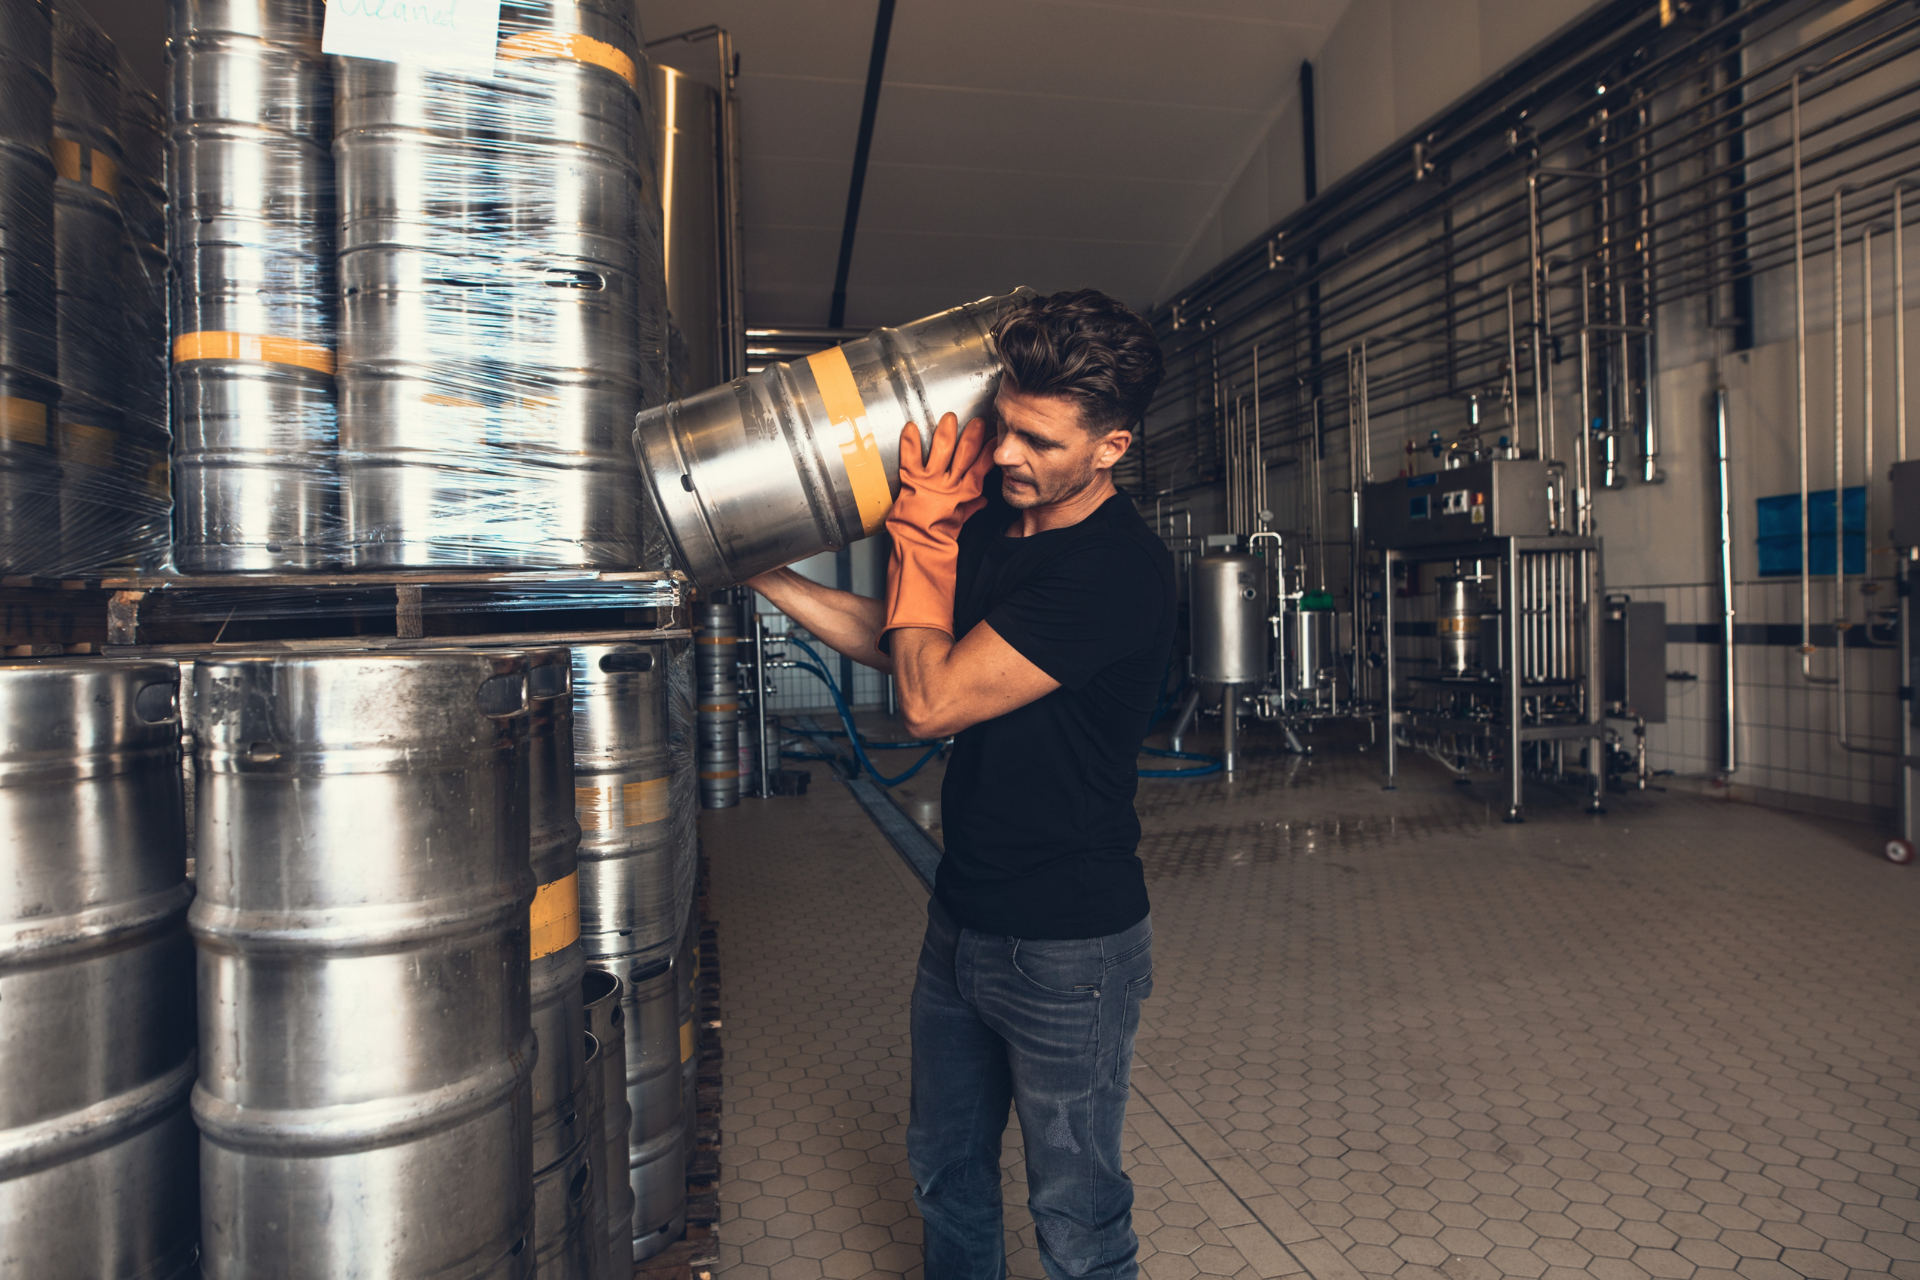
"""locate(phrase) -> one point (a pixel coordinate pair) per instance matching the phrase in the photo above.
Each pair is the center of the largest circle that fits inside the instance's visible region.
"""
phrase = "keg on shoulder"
(364, 1098)
(97, 1148)
(805, 457)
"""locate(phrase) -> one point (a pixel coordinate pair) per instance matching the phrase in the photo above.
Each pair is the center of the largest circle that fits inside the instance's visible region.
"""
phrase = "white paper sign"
(456, 35)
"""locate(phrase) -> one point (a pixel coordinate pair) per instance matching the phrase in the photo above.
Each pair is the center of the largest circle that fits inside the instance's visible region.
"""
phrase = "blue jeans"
(1047, 1025)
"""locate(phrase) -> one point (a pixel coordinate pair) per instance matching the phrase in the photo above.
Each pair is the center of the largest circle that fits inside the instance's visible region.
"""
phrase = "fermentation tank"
(366, 1044)
(1230, 607)
(802, 458)
(97, 1149)
(1457, 625)
(1313, 644)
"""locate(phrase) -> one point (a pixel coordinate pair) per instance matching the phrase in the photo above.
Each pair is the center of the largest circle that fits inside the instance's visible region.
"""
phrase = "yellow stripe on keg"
(67, 155)
(716, 777)
(216, 344)
(23, 421)
(555, 915)
(686, 1040)
(575, 48)
(860, 456)
(87, 445)
(647, 801)
(106, 174)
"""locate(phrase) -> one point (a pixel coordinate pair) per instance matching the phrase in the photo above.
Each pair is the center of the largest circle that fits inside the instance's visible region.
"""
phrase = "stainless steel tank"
(1459, 609)
(97, 1148)
(687, 118)
(503, 309)
(717, 705)
(601, 995)
(256, 479)
(656, 1141)
(1229, 604)
(366, 1047)
(1312, 639)
(802, 458)
(29, 357)
(566, 1244)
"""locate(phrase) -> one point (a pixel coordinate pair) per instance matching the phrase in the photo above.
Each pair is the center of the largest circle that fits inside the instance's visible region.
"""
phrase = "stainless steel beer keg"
(686, 990)
(602, 994)
(631, 850)
(802, 458)
(97, 1149)
(656, 1142)
(717, 702)
(256, 474)
(503, 301)
(366, 1047)
(565, 1243)
(593, 1093)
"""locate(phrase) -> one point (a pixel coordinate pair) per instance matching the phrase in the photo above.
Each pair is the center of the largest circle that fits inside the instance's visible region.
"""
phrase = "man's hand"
(936, 497)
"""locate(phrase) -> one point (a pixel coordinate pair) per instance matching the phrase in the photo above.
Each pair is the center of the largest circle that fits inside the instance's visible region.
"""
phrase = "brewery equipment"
(716, 643)
(802, 458)
(97, 1149)
(1229, 608)
(364, 1098)
(256, 486)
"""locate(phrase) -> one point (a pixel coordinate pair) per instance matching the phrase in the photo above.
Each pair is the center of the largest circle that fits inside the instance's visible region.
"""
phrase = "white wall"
(1387, 66)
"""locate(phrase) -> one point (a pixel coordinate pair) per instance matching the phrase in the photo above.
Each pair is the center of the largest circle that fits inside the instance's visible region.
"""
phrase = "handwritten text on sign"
(454, 35)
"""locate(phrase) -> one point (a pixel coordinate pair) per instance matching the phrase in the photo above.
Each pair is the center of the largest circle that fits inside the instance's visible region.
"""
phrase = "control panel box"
(1905, 479)
(1481, 501)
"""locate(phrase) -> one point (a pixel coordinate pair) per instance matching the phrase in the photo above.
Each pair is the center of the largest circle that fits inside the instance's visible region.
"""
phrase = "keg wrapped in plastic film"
(109, 436)
(255, 313)
(502, 299)
(29, 360)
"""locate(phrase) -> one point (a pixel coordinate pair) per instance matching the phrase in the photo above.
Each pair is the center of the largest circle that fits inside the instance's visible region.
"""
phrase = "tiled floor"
(1390, 1036)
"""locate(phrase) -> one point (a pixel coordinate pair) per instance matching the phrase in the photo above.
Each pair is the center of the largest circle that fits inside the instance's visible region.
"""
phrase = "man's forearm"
(846, 623)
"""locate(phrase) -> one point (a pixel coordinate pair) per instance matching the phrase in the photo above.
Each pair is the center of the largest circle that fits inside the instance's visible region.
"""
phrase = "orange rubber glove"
(936, 498)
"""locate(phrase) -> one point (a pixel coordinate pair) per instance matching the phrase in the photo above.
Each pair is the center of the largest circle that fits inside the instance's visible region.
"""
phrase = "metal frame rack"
(1544, 686)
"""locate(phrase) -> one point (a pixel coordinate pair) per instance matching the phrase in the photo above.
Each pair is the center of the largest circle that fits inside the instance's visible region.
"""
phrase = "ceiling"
(1052, 143)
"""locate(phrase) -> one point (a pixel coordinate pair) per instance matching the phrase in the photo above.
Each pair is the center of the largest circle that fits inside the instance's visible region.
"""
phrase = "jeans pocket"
(1070, 969)
(1137, 990)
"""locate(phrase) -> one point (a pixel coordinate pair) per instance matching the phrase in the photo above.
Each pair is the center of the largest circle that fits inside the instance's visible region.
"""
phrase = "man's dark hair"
(1087, 346)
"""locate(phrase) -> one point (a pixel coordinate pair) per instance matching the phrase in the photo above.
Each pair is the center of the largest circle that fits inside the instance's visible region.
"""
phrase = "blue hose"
(1212, 764)
(846, 716)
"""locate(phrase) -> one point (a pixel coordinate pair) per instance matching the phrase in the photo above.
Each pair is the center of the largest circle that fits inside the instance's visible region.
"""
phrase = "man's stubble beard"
(1026, 497)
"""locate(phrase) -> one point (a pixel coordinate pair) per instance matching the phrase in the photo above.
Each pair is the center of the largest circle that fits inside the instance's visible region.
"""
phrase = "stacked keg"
(569, 1238)
(143, 206)
(29, 358)
(365, 1026)
(113, 495)
(601, 998)
(97, 1149)
(717, 643)
(501, 299)
(634, 890)
(254, 308)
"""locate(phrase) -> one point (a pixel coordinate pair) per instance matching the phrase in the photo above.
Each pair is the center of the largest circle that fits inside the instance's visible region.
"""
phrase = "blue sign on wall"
(1779, 532)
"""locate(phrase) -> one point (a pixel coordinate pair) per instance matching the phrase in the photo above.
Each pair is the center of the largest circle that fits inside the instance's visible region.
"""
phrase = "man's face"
(1044, 454)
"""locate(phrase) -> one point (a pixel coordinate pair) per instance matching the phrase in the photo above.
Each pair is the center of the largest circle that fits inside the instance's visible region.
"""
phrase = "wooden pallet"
(265, 613)
(695, 1255)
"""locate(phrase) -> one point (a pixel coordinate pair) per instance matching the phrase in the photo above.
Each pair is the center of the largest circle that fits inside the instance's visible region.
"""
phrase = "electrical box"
(1634, 653)
(1905, 479)
(1482, 501)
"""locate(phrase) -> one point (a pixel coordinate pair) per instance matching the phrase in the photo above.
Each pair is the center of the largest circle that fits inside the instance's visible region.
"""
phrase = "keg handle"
(503, 696)
(626, 663)
(555, 680)
(158, 703)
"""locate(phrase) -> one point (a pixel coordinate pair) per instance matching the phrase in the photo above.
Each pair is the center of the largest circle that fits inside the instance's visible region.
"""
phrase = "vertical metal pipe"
(1840, 624)
(1800, 385)
(1259, 463)
(1729, 720)
(1387, 560)
(764, 777)
(1229, 727)
(1650, 411)
(1839, 441)
(1866, 400)
(1513, 374)
(1590, 585)
(1899, 333)
(1536, 283)
(1513, 620)
(1907, 813)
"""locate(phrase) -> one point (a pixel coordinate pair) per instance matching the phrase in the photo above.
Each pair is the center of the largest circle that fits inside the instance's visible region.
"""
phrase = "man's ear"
(1113, 448)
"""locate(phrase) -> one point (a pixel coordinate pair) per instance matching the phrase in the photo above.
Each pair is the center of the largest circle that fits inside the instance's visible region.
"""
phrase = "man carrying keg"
(1031, 619)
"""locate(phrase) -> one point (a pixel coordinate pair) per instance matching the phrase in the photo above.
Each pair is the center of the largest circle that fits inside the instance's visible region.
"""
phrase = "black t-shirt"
(1038, 803)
